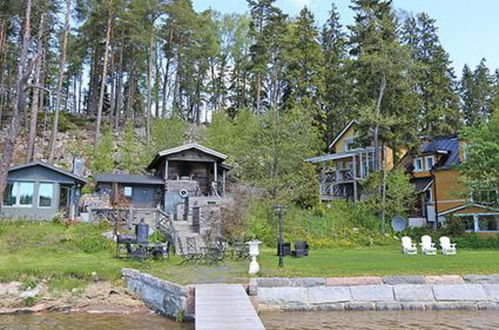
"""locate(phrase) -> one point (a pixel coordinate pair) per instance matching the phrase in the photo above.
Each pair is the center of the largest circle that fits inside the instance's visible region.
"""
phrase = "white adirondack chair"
(427, 246)
(447, 246)
(408, 246)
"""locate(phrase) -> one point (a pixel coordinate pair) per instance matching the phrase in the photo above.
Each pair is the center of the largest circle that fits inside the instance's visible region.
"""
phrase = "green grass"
(67, 257)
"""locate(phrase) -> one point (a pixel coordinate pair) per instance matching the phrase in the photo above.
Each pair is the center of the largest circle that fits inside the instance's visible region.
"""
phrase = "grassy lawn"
(68, 256)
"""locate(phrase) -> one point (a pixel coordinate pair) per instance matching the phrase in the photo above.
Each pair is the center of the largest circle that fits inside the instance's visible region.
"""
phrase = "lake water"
(420, 320)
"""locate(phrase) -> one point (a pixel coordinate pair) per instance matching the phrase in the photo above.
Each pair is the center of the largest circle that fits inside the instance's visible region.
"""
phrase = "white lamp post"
(254, 252)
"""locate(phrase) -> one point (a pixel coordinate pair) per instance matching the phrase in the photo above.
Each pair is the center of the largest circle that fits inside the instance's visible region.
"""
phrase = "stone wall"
(377, 293)
(164, 297)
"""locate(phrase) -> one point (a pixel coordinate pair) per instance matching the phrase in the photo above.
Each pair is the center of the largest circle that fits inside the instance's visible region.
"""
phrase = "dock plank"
(225, 306)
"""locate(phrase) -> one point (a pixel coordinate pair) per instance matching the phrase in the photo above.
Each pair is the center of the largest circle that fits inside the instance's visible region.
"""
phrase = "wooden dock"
(225, 306)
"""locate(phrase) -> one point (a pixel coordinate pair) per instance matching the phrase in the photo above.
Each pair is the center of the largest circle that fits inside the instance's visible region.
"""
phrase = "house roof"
(465, 206)
(185, 147)
(353, 121)
(50, 167)
(336, 155)
(449, 146)
(422, 184)
(129, 178)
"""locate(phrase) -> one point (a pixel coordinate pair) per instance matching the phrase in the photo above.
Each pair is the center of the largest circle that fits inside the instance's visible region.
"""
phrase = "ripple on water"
(407, 320)
(77, 321)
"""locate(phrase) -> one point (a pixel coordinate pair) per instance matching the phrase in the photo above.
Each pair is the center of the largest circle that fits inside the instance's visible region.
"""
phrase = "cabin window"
(19, 194)
(418, 164)
(429, 162)
(468, 222)
(127, 191)
(488, 222)
(45, 194)
(9, 198)
(349, 144)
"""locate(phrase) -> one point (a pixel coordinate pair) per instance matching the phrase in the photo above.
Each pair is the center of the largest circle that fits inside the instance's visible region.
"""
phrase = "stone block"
(372, 293)
(351, 281)
(444, 279)
(481, 279)
(462, 305)
(413, 306)
(327, 295)
(459, 292)
(394, 280)
(271, 282)
(330, 307)
(492, 291)
(360, 306)
(282, 295)
(307, 281)
(253, 287)
(413, 292)
(390, 306)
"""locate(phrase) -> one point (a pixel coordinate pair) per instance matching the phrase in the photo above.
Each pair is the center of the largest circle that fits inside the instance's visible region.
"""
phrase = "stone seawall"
(164, 297)
(377, 293)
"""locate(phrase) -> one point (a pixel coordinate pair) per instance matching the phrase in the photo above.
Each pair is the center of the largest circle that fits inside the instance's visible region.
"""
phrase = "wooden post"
(166, 170)
(354, 178)
(223, 182)
(215, 170)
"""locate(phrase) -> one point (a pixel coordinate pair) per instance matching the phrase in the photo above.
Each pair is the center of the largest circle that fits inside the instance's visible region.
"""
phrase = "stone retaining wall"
(161, 296)
(377, 293)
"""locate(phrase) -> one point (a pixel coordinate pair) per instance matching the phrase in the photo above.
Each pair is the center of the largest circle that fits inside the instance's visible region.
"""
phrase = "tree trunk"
(165, 80)
(36, 93)
(103, 80)
(119, 93)
(23, 71)
(377, 154)
(149, 89)
(62, 65)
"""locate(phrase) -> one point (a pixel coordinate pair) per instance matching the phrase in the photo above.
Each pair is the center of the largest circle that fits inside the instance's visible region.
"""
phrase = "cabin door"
(64, 198)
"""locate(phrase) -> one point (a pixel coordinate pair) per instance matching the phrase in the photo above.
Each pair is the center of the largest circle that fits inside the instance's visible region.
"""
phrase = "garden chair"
(427, 246)
(408, 246)
(447, 247)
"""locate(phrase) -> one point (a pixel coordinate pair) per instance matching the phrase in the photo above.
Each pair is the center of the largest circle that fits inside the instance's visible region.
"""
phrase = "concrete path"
(225, 306)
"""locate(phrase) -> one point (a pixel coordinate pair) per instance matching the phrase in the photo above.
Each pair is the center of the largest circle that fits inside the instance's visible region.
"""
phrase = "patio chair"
(447, 247)
(427, 246)
(409, 247)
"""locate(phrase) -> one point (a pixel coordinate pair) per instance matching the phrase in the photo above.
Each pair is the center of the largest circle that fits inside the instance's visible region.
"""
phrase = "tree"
(481, 165)
(23, 71)
(131, 150)
(62, 68)
(434, 77)
(102, 154)
(337, 85)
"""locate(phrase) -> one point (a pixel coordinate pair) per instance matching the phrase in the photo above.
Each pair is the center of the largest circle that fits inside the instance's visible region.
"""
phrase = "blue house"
(39, 191)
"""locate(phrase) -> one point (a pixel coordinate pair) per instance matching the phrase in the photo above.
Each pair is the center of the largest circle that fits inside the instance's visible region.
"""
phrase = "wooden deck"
(225, 306)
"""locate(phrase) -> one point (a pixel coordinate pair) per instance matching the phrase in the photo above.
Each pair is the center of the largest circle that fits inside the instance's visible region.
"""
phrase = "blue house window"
(19, 194)
(45, 194)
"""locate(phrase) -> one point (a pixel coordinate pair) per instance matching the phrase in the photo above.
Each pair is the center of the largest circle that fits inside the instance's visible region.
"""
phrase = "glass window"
(349, 144)
(128, 191)
(488, 222)
(418, 164)
(430, 161)
(45, 194)
(9, 197)
(26, 193)
(469, 222)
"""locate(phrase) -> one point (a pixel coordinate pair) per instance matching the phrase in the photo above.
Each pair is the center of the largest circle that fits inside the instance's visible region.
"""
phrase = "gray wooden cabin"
(39, 191)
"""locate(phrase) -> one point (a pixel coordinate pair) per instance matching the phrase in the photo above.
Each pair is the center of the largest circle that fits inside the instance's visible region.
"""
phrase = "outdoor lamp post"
(278, 210)
(254, 252)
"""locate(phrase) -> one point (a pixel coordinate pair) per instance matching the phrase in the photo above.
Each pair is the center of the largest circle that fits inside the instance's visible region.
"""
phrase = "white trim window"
(418, 164)
(128, 191)
(349, 144)
(45, 195)
(429, 162)
(19, 194)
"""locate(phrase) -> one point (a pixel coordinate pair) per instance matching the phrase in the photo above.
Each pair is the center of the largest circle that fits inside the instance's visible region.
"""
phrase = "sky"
(468, 29)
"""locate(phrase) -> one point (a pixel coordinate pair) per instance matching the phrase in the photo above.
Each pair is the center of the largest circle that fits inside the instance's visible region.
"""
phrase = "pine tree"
(477, 94)
(434, 77)
(336, 94)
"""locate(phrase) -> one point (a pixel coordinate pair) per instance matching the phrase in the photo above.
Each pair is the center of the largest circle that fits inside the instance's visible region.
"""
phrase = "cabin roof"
(448, 145)
(343, 132)
(422, 184)
(171, 151)
(50, 167)
(129, 178)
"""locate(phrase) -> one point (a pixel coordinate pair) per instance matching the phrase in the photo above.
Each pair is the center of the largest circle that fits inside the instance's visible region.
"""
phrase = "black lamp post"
(278, 211)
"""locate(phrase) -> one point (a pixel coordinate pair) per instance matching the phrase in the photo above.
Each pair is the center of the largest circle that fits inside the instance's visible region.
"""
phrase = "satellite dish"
(399, 223)
(183, 193)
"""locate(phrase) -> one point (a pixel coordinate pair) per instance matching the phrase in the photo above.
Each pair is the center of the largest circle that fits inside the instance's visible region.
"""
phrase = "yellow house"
(440, 188)
(346, 165)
